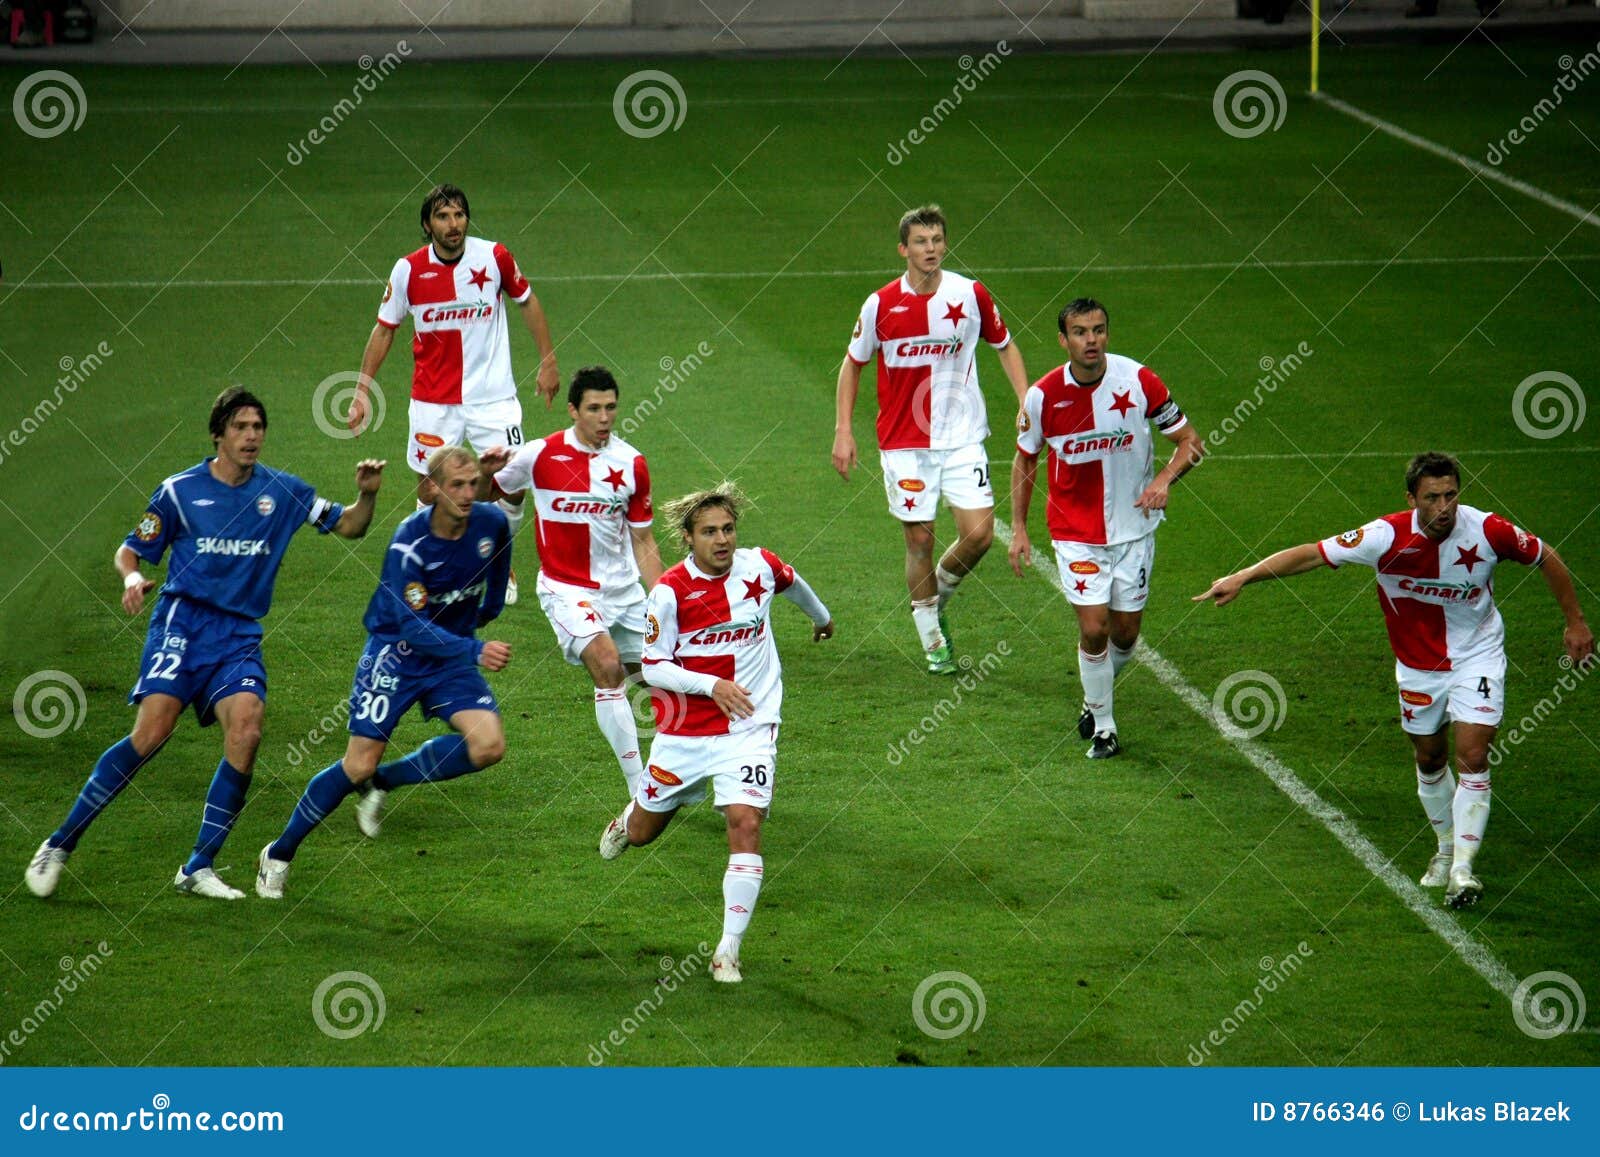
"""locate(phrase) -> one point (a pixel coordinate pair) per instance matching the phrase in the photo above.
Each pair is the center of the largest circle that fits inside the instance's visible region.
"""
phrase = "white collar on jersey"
(905, 284)
(577, 443)
(696, 572)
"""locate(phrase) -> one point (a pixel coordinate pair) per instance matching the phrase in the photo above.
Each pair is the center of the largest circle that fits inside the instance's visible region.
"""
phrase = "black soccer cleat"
(1105, 746)
(1086, 724)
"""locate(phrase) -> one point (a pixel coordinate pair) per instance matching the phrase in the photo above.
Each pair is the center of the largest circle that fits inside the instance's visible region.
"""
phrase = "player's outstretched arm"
(1295, 560)
(1016, 373)
(378, 343)
(1023, 469)
(357, 516)
(844, 412)
(134, 585)
(549, 375)
(1577, 638)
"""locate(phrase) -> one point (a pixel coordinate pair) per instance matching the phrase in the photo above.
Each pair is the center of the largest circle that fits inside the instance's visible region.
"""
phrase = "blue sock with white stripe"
(322, 795)
(442, 757)
(224, 799)
(111, 774)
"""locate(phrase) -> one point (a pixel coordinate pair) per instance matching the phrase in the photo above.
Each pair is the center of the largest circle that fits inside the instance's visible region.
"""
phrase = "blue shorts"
(387, 684)
(200, 656)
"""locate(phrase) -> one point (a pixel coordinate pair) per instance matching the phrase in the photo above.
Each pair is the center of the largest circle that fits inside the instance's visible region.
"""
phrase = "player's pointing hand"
(1223, 591)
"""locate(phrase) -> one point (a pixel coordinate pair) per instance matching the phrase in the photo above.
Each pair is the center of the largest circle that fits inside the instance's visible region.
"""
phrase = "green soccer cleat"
(941, 660)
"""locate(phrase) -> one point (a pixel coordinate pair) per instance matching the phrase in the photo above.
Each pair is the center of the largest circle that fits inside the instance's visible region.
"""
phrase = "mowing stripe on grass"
(1426, 908)
(1478, 167)
(745, 274)
(1218, 456)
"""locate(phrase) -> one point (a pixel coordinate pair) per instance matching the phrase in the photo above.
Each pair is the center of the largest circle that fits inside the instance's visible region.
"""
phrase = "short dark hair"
(232, 399)
(442, 195)
(1431, 464)
(590, 378)
(1080, 305)
(927, 216)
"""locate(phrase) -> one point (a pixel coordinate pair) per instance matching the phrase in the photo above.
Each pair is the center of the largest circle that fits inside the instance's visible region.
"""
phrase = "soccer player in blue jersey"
(227, 522)
(444, 577)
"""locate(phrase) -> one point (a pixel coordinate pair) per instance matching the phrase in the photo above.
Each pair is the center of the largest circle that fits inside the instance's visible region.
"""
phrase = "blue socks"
(224, 800)
(110, 775)
(442, 757)
(323, 794)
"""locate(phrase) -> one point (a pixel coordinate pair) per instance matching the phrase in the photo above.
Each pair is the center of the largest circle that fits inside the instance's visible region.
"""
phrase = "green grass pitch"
(1109, 914)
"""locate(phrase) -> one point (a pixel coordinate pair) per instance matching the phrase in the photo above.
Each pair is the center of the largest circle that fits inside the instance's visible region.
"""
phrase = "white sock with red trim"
(1096, 674)
(741, 885)
(1471, 814)
(615, 716)
(1437, 790)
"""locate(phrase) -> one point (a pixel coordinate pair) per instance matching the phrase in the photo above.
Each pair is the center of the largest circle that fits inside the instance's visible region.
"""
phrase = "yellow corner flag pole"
(1316, 37)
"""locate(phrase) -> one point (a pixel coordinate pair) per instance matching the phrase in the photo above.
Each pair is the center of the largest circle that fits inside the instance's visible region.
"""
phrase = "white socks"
(925, 615)
(741, 884)
(1471, 815)
(1119, 658)
(1437, 790)
(615, 717)
(1096, 674)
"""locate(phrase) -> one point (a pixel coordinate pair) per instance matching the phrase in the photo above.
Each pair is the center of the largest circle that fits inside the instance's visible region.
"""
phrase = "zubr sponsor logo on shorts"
(914, 485)
(1084, 567)
(1417, 698)
(664, 777)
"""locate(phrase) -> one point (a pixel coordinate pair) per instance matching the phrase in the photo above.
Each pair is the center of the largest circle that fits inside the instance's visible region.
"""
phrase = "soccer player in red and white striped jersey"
(591, 500)
(463, 391)
(718, 697)
(1105, 497)
(923, 328)
(1435, 562)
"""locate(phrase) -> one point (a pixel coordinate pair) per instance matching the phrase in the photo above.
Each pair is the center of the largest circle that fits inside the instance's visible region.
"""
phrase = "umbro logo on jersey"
(561, 457)
(425, 276)
(1061, 405)
(694, 594)
(202, 502)
(898, 308)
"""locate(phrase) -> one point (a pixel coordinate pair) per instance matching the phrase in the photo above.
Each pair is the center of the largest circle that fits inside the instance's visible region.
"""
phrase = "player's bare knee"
(744, 829)
(919, 539)
(148, 736)
(486, 750)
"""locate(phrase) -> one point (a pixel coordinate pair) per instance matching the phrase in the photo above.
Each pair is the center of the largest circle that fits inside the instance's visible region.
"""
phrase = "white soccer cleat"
(1464, 889)
(725, 969)
(369, 812)
(1438, 873)
(511, 589)
(614, 840)
(205, 883)
(44, 870)
(271, 875)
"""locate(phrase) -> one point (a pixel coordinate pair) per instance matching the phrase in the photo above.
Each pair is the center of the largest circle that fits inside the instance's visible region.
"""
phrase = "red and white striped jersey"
(1101, 453)
(458, 321)
(719, 627)
(584, 501)
(1438, 597)
(927, 347)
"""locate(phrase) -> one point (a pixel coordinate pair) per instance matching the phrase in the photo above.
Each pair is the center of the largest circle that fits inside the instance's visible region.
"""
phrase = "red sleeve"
(782, 572)
(640, 511)
(1510, 541)
(993, 327)
(1156, 394)
(511, 280)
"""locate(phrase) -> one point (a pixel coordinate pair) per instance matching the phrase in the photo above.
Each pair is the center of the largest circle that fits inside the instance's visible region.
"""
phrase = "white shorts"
(914, 480)
(578, 615)
(1118, 576)
(739, 767)
(482, 426)
(1476, 696)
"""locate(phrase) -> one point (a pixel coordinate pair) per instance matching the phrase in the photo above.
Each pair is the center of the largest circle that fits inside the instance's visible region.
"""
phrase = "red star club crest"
(614, 476)
(1468, 558)
(911, 504)
(1081, 586)
(955, 312)
(591, 617)
(1121, 403)
(480, 277)
(1409, 714)
(651, 791)
(754, 590)
(422, 455)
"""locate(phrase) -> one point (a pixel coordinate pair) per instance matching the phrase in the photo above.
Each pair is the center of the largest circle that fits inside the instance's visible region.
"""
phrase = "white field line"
(1426, 908)
(1221, 456)
(1487, 172)
(742, 275)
